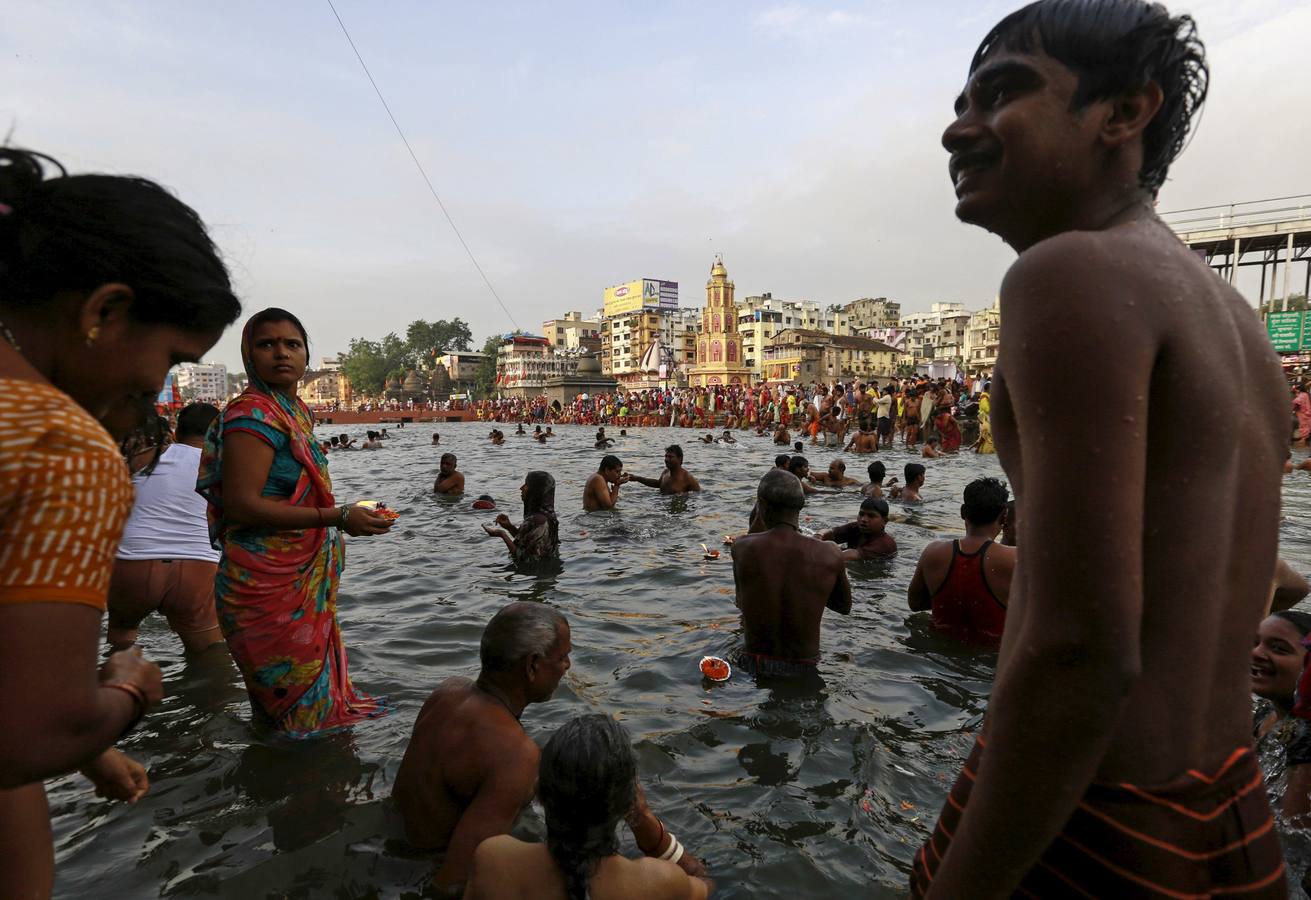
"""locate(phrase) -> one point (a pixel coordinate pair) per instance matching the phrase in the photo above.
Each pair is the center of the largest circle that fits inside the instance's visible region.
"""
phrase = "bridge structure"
(1274, 234)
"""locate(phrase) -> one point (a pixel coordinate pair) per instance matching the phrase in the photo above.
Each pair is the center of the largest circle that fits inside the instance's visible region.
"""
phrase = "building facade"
(573, 332)
(873, 312)
(325, 386)
(204, 382)
(525, 362)
(803, 355)
(719, 359)
(983, 339)
(640, 321)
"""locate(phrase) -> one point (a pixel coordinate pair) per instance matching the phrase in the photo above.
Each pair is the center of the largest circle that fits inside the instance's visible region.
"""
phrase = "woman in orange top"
(105, 283)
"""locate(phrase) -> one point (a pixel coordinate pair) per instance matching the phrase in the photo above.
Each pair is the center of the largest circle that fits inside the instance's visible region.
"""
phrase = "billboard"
(1286, 331)
(644, 293)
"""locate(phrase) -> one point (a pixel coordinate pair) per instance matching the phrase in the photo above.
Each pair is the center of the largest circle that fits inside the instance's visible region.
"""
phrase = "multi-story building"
(936, 334)
(462, 368)
(719, 346)
(983, 339)
(325, 386)
(524, 362)
(803, 355)
(207, 382)
(574, 333)
(636, 316)
(762, 316)
(873, 312)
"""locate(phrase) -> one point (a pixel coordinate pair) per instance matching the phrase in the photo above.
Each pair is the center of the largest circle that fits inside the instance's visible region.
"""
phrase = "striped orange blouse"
(64, 497)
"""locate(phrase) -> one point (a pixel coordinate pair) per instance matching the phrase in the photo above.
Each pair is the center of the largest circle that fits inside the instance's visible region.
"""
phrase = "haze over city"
(580, 145)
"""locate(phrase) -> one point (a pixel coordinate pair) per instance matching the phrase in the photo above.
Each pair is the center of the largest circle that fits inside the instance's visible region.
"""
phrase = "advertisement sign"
(1286, 331)
(644, 293)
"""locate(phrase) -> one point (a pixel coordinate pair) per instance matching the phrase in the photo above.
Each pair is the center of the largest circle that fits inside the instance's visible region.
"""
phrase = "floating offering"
(729, 539)
(709, 554)
(715, 668)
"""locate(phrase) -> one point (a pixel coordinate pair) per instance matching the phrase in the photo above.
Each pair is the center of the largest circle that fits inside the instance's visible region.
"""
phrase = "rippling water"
(816, 792)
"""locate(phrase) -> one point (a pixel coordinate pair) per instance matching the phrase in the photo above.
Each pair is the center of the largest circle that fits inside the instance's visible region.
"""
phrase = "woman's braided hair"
(587, 781)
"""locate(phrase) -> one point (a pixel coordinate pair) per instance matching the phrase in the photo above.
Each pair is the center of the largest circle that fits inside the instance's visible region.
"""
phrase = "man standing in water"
(470, 767)
(449, 481)
(674, 479)
(1126, 652)
(784, 582)
(602, 489)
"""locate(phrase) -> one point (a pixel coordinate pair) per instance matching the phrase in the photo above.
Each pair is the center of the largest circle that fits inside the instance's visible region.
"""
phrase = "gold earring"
(92, 336)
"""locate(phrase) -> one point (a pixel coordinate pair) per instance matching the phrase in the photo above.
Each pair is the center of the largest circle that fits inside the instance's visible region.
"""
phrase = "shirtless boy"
(914, 473)
(1125, 658)
(674, 479)
(867, 537)
(784, 582)
(864, 440)
(602, 489)
(449, 481)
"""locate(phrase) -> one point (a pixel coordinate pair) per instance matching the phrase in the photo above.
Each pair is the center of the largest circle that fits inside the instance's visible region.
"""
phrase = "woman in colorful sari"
(537, 537)
(1302, 409)
(984, 443)
(273, 515)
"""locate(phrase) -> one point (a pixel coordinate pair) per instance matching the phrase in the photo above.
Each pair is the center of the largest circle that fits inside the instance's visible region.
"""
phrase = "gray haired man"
(470, 768)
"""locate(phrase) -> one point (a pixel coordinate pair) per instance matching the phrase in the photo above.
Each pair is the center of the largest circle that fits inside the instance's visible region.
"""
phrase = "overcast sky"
(578, 145)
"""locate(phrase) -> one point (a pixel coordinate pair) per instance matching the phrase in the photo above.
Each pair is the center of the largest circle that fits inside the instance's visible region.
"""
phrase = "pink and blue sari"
(276, 591)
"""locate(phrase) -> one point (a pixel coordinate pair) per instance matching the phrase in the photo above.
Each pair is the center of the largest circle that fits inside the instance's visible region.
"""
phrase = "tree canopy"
(368, 364)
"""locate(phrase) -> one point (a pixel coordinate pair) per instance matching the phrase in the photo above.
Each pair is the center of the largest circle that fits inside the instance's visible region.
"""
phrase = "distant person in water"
(836, 476)
(602, 488)
(781, 461)
(346, 442)
(798, 447)
(784, 583)
(537, 537)
(436, 439)
(520, 430)
(865, 440)
(782, 436)
(708, 438)
(931, 449)
(484, 501)
(470, 768)
(674, 479)
(587, 782)
(878, 472)
(498, 437)
(449, 480)
(800, 467)
(867, 537)
(728, 437)
(373, 442)
(602, 442)
(967, 582)
(914, 473)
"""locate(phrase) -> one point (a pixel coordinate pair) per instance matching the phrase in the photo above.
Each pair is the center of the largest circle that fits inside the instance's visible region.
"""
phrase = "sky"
(580, 145)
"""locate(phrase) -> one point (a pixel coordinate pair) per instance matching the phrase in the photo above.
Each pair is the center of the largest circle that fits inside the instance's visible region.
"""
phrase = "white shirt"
(168, 516)
(884, 406)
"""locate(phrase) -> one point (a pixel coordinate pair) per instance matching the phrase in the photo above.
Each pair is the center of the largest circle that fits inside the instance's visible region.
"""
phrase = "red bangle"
(139, 701)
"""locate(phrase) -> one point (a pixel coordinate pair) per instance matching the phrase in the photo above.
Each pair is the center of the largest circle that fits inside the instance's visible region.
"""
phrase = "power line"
(418, 165)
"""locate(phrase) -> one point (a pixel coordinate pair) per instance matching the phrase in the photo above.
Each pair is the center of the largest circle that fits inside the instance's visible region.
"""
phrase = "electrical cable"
(418, 165)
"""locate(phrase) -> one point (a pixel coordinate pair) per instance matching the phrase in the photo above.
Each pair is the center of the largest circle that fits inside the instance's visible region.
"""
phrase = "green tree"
(427, 340)
(368, 364)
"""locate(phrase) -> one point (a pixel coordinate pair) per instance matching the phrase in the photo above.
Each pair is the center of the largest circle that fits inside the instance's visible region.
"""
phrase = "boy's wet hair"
(1116, 47)
(877, 471)
(875, 505)
(985, 501)
(913, 471)
(610, 461)
(781, 461)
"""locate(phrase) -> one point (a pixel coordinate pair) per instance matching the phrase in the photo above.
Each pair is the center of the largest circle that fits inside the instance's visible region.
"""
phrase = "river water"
(822, 791)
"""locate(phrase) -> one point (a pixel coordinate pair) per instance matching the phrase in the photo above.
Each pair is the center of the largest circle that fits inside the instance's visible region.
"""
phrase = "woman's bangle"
(139, 701)
(345, 511)
(674, 852)
(655, 849)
